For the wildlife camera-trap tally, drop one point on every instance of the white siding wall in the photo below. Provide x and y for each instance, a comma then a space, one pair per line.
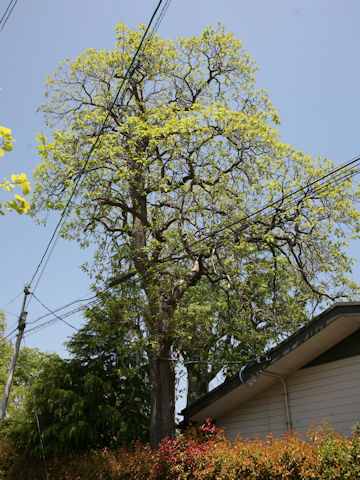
330, 391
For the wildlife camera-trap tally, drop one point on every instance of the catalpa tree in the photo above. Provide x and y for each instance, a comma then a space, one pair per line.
190, 148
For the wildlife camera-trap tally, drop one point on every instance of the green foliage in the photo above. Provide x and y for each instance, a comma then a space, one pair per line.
78, 407
30, 362
216, 325
19, 204
96, 399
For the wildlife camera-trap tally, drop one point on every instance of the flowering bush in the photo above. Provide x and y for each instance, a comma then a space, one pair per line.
207, 455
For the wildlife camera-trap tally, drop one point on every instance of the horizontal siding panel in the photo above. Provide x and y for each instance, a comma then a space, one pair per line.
233, 434
326, 379
275, 409
259, 417
337, 417
252, 422
330, 403
339, 367
330, 391
334, 403
341, 390
329, 384
350, 362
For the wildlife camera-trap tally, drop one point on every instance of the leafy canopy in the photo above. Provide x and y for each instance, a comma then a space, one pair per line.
190, 146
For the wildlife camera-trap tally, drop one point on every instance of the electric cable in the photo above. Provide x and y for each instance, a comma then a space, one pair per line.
345, 175
160, 17
52, 321
13, 300
10, 333
10, 313
4, 20
44, 267
277, 201
352, 163
53, 313
94, 145
316, 188
81, 299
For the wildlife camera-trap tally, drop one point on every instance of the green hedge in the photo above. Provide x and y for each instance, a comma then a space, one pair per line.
320, 454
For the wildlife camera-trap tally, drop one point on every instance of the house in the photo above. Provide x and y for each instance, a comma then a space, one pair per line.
312, 375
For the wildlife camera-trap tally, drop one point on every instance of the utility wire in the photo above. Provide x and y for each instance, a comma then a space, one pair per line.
52, 321
9, 334
279, 201
95, 296
94, 145
316, 188
10, 313
53, 313
344, 176
13, 300
40, 436
160, 17
44, 266
5, 18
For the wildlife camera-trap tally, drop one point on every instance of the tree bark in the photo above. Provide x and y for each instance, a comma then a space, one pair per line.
162, 396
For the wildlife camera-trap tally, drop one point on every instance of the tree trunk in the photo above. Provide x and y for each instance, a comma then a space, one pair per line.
198, 382
162, 396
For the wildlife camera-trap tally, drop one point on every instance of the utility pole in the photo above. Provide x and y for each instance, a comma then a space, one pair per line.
21, 327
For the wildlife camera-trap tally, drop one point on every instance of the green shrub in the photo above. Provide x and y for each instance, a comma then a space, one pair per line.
319, 454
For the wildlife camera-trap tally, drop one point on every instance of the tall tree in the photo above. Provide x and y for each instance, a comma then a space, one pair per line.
190, 148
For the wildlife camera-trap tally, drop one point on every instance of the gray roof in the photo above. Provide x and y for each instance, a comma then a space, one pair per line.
320, 334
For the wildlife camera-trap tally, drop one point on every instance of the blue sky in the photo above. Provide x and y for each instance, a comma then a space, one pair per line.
308, 57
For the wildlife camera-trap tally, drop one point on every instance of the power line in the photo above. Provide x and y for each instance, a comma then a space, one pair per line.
6, 15
316, 185
53, 313
56, 232
9, 313
12, 331
344, 175
52, 321
279, 201
13, 300
94, 145
45, 265
161, 16
65, 306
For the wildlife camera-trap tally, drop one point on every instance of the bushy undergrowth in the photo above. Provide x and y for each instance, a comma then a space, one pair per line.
204, 455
